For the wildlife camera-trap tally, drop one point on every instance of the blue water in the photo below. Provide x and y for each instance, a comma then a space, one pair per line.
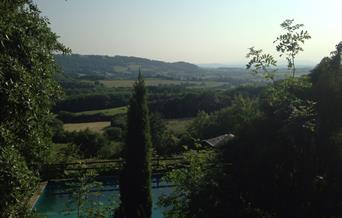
57, 200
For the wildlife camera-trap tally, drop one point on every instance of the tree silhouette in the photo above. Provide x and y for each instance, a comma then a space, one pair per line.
135, 182
289, 43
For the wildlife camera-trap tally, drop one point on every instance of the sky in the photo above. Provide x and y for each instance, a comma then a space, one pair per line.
196, 31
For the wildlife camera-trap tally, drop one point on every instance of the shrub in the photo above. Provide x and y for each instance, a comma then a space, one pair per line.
113, 133
16, 181
111, 150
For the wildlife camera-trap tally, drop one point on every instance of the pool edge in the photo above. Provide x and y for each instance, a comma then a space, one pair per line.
33, 200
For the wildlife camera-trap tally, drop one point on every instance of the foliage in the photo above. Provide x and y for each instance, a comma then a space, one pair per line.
327, 83
327, 79
289, 44
199, 125
163, 141
113, 133
16, 181
227, 120
286, 158
169, 145
135, 181
27, 68
89, 143
261, 63
83, 187
119, 121
27, 92
158, 128
111, 150
64, 153
188, 104
93, 101
203, 189
276, 159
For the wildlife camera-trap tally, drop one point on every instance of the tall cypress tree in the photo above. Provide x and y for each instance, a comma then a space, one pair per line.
135, 182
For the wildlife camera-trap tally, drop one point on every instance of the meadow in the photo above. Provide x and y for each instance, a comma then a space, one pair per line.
108, 112
177, 126
93, 126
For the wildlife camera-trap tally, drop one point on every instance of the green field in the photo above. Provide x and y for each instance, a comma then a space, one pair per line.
177, 126
109, 111
93, 126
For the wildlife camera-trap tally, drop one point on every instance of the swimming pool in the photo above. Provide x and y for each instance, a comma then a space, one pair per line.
57, 201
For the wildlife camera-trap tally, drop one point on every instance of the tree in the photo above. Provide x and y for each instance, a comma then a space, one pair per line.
85, 190
198, 189
135, 182
88, 142
327, 90
198, 126
158, 129
27, 92
289, 44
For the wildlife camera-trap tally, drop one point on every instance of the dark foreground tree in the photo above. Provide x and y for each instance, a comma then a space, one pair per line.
135, 182
27, 91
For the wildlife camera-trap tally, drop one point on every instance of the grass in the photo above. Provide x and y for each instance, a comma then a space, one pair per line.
178, 126
93, 126
109, 111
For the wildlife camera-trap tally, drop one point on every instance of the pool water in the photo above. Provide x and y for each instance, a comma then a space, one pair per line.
58, 200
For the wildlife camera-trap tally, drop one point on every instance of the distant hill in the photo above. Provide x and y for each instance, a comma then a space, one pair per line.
98, 66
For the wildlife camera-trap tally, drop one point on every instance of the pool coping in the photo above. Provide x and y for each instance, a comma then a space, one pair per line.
40, 189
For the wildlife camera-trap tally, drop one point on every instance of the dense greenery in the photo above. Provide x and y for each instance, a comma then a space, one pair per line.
27, 92
286, 157
188, 104
227, 120
86, 102
196, 181
135, 181
284, 161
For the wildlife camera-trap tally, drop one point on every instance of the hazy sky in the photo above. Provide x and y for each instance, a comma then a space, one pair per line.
198, 31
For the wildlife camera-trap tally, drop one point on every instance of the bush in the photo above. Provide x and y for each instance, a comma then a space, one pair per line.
89, 142
169, 145
111, 150
113, 133
120, 121
16, 181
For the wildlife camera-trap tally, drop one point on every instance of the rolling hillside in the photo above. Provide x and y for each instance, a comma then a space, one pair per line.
102, 67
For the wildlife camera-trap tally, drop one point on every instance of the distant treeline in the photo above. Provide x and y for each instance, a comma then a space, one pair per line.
70, 117
88, 102
168, 101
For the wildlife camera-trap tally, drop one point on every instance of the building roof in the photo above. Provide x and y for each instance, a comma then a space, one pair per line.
219, 140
